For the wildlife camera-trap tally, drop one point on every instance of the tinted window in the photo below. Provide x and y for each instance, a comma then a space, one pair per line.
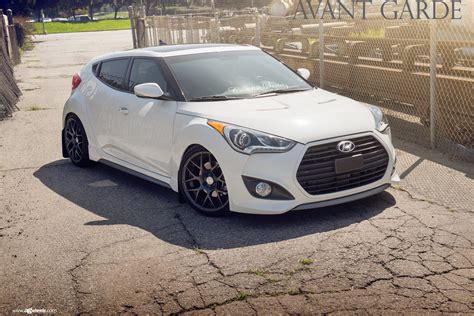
236, 73
147, 71
113, 72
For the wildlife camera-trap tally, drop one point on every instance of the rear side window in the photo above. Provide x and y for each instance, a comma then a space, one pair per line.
147, 71
113, 72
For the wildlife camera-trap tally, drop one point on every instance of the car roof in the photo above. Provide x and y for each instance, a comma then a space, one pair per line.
177, 50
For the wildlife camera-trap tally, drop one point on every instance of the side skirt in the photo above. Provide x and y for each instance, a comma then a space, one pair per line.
134, 173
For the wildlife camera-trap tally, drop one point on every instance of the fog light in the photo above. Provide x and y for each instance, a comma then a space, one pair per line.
263, 189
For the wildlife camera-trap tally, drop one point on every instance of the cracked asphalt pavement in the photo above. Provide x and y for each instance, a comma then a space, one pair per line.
97, 240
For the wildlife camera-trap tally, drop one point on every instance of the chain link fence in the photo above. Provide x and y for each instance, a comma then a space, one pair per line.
419, 71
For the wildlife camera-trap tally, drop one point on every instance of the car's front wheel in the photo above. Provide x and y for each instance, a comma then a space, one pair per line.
75, 141
202, 182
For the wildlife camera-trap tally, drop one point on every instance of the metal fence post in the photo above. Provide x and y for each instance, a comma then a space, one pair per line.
216, 25
44, 24
258, 30
190, 32
321, 53
131, 15
171, 32
433, 71
141, 27
143, 22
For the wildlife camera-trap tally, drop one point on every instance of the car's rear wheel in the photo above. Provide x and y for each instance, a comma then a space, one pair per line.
75, 141
202, 183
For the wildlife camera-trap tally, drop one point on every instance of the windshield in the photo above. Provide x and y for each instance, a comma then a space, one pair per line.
236, 74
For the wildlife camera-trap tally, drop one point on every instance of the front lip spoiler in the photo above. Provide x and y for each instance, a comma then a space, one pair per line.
341, 200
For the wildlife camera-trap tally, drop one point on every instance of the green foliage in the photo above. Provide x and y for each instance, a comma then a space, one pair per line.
23, 34
71, 27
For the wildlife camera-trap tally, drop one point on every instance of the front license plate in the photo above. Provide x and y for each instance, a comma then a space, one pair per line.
344, 165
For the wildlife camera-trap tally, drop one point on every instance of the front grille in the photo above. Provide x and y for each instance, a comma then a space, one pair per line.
317, 171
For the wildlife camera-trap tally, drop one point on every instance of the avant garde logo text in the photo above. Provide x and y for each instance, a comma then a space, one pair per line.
389, 9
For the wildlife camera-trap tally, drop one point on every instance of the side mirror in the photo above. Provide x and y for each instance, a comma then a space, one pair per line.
148, 90
303, 72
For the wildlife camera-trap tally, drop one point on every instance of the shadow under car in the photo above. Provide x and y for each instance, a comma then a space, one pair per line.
120, 198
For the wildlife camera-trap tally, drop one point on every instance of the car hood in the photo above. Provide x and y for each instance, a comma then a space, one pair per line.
301, 116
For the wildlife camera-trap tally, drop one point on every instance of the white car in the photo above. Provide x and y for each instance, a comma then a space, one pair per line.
228, 127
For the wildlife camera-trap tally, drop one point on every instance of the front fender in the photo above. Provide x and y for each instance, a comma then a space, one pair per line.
190, 131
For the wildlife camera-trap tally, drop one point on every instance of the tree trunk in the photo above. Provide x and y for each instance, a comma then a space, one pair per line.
91, 9
147, 7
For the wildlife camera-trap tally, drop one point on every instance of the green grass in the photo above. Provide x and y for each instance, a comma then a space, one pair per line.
295, 292
93, 26
260, 273
36, 108
110, 15
306, 261
199, 251
242, 296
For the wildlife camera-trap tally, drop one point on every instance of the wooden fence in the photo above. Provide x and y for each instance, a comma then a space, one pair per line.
9, 55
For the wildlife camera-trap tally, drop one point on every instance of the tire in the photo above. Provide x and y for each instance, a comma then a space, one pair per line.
75, 141
202, 183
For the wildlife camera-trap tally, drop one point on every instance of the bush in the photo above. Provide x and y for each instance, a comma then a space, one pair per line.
24, 32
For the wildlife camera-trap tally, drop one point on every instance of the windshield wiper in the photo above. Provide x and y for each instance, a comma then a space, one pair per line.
281, 91
214, 98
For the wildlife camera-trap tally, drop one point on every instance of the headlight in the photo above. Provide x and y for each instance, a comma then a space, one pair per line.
249, 142
381, 121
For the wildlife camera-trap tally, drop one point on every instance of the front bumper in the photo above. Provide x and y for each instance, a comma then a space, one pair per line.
282, 168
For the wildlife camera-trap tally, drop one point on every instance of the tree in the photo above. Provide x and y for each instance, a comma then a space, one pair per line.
118, 4
70, 6
149, 4
19, 7
92, 6
27, 7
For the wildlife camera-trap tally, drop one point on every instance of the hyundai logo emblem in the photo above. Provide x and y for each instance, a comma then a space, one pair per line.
346, 146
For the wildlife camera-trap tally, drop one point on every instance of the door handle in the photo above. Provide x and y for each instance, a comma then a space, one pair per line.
123, 110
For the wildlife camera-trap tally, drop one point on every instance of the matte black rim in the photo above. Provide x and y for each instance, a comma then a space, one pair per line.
74, 139
203, 182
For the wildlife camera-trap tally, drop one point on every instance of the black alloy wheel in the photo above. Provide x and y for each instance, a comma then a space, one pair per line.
203, 184
75, 141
